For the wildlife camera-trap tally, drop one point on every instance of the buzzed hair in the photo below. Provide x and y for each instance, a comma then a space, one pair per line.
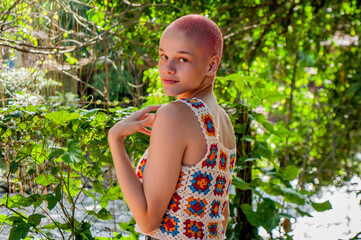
202, 29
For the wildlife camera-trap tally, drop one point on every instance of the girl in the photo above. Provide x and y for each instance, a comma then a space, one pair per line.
180, 189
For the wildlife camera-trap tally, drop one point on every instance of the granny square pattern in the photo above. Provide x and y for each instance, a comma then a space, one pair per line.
195, 210
220, 185
194, 229
140, 168
196, 206
213, 230
232, 161
209, 125
174, 202
223, 161
194, 102
229, 184
169, 225
224, 206
180, 180
201, 182
211, 158
215, 209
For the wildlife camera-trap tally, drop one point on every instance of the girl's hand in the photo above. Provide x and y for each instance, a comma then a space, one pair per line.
134, 123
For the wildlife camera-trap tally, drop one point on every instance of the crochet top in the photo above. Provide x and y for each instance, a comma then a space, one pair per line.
196, 208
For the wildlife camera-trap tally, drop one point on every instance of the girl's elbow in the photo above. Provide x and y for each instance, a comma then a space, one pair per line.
150, 223
147, 227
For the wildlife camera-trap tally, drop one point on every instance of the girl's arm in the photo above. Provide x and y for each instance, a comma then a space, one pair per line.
148, 200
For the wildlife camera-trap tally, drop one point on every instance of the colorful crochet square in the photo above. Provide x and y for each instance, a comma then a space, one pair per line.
169, 225
141, 167
174, 202
201, 182
180, 179
224, 206
209, 125
213, 230
194, 102
215, 209
193, 229
196, 207
233, 160
220, 185
211, 160
229, 184
222, 161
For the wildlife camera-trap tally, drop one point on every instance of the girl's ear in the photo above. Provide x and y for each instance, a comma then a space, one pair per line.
213, 65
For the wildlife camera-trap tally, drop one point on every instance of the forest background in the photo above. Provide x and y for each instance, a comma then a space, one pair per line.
69, 69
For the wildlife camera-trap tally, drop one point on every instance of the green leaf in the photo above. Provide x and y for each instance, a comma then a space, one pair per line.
261, 148
30, 108
320, 207
22, 126
19, 231
75, 151
240, 128
103, 214
45, 180
248, 138
49, 226
98, 187
353, 89
14, 166
62, 116
274, 96
265, 215
282, 132
35, 219
268, 126
56, 153
290, 173
293, 195
240, 184
3, 219
52, 201
16, 114
89, 113
58, 194
303, 213
259, 117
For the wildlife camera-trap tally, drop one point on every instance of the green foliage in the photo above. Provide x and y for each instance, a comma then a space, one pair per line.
63, 151
292, 66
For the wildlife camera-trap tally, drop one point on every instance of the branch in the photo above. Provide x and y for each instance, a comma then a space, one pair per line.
79, 80
7, 13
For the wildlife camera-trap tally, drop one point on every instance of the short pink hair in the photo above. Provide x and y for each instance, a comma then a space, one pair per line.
203, 30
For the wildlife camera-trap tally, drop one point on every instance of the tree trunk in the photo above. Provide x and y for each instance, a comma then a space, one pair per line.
245, 196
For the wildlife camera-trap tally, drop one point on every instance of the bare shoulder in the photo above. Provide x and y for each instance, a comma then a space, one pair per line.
226, 118
174, 113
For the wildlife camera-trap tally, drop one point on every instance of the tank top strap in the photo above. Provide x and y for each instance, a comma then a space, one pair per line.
204, 116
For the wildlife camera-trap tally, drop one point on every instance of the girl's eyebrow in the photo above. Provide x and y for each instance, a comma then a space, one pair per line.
182, 52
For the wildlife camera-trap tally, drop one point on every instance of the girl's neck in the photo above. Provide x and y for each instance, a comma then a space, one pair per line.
203, 92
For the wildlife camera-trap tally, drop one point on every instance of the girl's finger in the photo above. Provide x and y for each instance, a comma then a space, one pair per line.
144, 131
147, 121
148, 109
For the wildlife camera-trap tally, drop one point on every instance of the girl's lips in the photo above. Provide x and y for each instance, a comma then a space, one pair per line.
169, 81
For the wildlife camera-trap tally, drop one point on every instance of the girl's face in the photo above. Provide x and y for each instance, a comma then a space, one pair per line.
182, 66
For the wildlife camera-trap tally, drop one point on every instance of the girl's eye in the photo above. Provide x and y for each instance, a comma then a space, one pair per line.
183, 60
163, 57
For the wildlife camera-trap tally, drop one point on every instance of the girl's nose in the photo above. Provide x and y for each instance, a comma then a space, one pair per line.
170, 68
